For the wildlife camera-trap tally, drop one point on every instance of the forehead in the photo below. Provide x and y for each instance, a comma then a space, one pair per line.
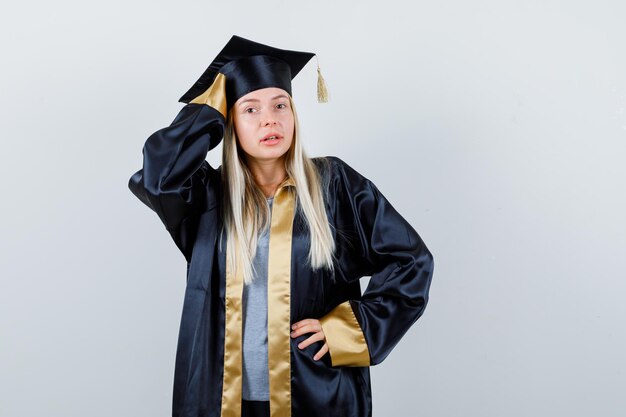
264, 94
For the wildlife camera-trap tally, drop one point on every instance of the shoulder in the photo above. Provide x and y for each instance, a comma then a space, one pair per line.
338, 169
329, 160
344, 186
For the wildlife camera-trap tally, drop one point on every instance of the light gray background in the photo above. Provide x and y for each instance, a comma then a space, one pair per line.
497, 128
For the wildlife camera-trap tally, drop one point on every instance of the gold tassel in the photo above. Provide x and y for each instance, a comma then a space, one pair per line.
322, 91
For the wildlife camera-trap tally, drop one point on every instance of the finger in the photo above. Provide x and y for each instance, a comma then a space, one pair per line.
302, 323
321, 352
312, 327
317, 337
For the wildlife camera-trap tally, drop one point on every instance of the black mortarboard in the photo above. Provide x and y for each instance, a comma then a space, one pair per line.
247, 66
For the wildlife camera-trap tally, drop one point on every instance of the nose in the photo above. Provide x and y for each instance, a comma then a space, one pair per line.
268, 121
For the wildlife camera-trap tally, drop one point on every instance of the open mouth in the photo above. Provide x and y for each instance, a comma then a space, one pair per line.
270, 138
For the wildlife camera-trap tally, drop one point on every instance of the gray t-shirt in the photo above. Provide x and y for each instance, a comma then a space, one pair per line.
255, 369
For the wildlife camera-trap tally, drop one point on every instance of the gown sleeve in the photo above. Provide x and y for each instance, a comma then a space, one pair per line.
174, 178
374, 240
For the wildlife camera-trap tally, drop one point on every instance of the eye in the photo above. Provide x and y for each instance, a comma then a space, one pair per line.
250, 110
281, 106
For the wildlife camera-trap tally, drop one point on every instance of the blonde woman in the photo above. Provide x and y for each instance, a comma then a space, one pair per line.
274, 322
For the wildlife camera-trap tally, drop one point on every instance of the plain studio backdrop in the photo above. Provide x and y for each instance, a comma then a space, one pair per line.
496, 128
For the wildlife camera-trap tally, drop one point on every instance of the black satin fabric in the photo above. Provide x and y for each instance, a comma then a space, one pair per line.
253, 73
372, 239
248, 66
255, 408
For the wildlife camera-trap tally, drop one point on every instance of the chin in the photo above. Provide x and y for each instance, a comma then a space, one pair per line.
268, 156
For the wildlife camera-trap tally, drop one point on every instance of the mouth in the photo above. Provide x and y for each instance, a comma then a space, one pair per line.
271, 137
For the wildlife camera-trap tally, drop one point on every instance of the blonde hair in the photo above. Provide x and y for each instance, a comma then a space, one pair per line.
247, 212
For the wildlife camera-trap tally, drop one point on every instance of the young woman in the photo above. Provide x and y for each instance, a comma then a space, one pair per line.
274, 322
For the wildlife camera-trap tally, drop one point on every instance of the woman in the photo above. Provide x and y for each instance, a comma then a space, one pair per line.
273, 320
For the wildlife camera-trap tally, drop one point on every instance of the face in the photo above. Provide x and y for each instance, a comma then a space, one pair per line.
264, 124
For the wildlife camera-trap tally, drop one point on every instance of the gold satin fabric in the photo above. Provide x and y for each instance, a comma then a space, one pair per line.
346, 343
233, 356
215, 95
278, 314
279, 297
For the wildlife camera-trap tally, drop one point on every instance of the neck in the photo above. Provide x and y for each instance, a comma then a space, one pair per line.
268, 175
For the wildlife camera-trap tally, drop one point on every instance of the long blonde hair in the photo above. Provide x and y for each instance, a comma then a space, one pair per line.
247, 212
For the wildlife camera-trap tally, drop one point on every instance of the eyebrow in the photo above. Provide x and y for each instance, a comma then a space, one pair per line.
257, 100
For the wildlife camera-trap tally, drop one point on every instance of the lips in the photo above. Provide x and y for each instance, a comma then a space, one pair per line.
271, 136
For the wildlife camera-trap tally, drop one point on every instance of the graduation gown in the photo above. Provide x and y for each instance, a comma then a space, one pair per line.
372, 239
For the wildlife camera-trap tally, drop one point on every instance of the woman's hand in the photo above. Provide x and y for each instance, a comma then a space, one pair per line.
310, 326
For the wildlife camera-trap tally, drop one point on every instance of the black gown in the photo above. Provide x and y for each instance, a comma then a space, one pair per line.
372, 239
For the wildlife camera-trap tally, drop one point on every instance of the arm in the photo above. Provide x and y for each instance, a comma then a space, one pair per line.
383, 245
174, 178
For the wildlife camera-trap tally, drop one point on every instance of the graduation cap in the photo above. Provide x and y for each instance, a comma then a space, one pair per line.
244, 66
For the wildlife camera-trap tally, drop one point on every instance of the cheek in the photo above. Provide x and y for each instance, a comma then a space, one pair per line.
289, 124
244, 134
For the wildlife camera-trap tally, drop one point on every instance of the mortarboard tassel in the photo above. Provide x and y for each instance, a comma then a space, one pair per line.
322, 91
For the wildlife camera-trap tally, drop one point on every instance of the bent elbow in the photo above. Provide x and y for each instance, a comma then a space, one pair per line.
136, 186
